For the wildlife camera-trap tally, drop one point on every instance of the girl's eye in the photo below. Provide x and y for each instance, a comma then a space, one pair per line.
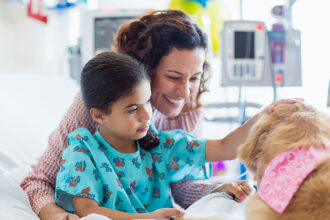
132, 111
194, 78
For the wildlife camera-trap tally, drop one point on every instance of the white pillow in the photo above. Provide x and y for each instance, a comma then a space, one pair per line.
14, 203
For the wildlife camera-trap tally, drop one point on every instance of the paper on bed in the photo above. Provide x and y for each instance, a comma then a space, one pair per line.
95, 217
215, 206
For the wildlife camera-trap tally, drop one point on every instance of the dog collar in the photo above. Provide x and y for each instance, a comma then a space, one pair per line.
285, 173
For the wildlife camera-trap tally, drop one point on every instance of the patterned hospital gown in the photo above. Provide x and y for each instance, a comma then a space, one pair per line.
134, 183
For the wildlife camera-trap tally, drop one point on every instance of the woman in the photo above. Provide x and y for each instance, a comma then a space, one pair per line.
173, 49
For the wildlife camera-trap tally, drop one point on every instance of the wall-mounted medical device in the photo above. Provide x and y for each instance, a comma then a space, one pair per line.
253, 56
99, 27
245, 54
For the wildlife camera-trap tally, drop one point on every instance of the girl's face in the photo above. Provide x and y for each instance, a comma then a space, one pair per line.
176, 80
129, 118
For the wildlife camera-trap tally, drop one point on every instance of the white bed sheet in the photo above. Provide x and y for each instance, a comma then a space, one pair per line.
14, 203
31, 107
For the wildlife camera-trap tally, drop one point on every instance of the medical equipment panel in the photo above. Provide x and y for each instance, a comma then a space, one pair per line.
245, 54
98, 29
286, 56
105, 30
253, 56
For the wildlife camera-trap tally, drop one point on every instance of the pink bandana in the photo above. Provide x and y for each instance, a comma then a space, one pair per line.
285, 173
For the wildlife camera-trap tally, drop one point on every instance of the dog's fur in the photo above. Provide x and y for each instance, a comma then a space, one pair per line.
289, 126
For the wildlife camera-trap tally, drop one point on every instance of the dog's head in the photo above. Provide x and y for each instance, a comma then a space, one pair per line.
288, 126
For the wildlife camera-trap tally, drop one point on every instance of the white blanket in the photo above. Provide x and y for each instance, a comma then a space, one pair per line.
31, 107
14, 203
215, 206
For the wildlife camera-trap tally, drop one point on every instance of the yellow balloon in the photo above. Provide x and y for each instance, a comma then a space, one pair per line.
210, 19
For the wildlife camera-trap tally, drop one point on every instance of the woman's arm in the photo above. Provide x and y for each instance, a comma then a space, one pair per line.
85, 206
40, 183
226, 148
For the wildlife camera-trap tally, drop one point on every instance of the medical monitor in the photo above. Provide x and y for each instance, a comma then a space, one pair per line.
245, 54
98, 29
254, 56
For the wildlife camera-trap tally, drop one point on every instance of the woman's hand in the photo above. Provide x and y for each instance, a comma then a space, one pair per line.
166, 213
238, 190
65, 216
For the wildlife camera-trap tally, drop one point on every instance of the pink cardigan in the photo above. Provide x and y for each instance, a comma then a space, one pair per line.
40, 183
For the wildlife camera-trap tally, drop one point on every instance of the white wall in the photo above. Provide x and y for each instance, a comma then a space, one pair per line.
29, 46
312, 18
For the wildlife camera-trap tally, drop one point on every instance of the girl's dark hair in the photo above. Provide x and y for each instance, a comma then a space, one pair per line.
151, 37
108, 77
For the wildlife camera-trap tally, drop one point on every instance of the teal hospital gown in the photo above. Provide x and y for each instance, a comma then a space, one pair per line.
134, 183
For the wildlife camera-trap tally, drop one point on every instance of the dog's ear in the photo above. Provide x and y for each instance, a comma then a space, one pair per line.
250, 151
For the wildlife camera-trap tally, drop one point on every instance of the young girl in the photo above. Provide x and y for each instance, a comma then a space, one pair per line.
110, 172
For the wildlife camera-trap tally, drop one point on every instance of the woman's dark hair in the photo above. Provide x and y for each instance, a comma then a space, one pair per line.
108, 77
151, 37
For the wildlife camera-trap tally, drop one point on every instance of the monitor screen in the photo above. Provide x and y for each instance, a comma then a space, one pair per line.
244, 45
105, 30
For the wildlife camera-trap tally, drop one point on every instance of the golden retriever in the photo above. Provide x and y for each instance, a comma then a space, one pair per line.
287, 127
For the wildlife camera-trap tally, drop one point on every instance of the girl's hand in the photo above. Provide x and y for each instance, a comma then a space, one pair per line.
65, 216
238, 190
166, 213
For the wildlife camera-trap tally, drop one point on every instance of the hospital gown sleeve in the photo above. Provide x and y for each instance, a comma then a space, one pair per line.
78, 175
184, 156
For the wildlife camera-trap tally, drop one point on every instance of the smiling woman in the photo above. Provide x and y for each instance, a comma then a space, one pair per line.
173, 49
176, 80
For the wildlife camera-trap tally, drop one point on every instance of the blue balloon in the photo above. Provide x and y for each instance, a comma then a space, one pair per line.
202, 2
